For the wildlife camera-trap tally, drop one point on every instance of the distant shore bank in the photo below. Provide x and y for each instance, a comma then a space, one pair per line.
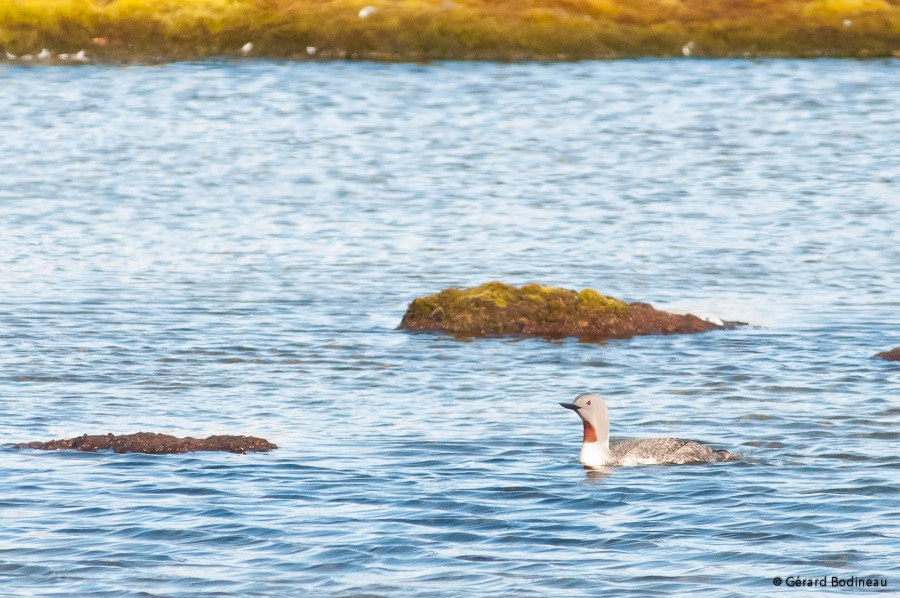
127, 31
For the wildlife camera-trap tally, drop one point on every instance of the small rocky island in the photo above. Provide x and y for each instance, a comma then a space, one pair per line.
892, 355
498, 309
154, 444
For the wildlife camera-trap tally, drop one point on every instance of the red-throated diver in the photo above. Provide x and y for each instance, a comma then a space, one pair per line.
596, 450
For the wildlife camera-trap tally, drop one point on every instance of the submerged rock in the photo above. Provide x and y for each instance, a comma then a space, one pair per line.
154, 444
497, 309
892, 355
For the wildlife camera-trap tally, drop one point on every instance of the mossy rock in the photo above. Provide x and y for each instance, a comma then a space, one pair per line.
498, 309
892, 355
153, 443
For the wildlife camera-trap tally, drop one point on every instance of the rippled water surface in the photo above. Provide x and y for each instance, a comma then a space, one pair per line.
220, 248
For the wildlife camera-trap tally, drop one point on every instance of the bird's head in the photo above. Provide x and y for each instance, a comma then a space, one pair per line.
592, 410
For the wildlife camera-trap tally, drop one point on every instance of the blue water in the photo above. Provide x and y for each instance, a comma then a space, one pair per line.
228, 248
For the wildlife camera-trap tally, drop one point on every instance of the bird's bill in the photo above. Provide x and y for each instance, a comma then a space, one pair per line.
571, 406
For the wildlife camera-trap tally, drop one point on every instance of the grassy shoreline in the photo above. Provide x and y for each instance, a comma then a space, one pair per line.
419, 30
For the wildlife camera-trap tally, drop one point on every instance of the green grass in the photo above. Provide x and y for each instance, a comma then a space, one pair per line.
160, 30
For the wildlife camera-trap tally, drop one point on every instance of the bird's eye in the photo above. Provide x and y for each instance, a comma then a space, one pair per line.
588, 402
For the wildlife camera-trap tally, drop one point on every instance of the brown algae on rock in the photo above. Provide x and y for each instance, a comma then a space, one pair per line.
153, 443
498, 309
892, 355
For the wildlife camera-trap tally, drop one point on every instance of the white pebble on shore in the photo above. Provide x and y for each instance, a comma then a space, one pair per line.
687, 49
311, 50
247, 48
367, 11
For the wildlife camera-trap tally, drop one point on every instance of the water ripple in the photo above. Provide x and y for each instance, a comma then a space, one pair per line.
224, 248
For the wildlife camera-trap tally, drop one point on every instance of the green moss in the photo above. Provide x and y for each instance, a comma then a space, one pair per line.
592, 300
498, 308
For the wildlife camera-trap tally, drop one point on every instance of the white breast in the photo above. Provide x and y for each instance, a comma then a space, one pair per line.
593, 454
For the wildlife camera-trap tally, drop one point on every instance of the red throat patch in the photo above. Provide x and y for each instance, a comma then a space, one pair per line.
590, 434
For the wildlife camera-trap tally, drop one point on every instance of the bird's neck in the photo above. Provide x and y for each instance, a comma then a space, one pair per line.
595, 446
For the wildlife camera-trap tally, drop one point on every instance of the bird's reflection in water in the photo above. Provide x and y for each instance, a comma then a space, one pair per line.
596, 475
